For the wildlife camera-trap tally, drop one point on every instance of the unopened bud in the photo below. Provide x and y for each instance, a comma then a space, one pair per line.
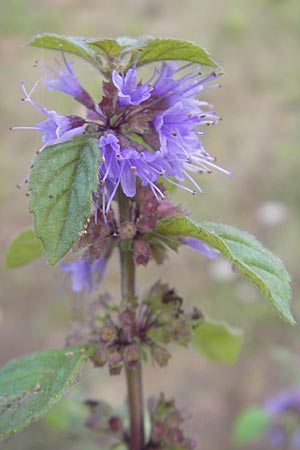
115, 424
115, 363
141, 252
100, 357
127, 318
166, 208
175, 436
158, 430
146, 223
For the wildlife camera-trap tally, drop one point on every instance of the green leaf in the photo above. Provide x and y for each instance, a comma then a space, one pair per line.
244, 252
71, 44
30, 385
217, 341
174, 49
107, 47
249, 424
61, 184
23, 248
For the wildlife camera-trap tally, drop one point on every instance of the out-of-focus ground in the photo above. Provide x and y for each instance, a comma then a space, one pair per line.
257, 43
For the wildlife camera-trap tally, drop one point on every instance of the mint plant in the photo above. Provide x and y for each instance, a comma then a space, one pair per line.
100, 183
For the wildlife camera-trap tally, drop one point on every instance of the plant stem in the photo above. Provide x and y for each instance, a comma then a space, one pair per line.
134, 376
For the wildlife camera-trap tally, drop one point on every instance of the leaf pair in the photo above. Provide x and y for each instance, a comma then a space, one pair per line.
104, 52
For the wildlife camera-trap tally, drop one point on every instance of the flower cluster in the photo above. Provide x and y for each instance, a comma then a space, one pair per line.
146, 131
122, 335
284, 411
102, 233
167, 426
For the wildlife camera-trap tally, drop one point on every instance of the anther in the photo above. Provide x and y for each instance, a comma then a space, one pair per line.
174, 133
133, 168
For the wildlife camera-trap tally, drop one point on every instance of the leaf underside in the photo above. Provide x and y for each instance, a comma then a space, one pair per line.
61, 183
217, 341
70, 44
31, 384
24, 248
244, 252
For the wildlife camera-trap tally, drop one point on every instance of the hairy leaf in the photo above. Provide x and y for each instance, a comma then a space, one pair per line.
61, 184
244, 252
217, 341
174, 49
23, 248
30, 385
71, 44
249, 424
107, 47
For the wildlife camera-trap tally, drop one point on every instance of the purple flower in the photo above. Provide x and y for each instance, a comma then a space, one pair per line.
65, 80
284, 401
85, 275
130, 92
201, 246
277, 436
147, 131
296, 440
120, 166
284, 410
56, 127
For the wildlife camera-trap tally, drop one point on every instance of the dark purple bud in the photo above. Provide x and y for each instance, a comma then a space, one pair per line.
166, 208
127, 318
147, 202
141, 252
115, 424
115, 363
146, 223
100, 357
158, 430
175, 436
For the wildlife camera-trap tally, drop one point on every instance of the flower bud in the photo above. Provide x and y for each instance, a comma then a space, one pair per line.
115, 424
100, 357
141, 252
115, 363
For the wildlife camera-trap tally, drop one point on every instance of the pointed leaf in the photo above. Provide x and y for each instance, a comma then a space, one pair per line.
30, 385
249, 424
23, 248
174, 49
244, 251
108, 47
217, 341
61, 185
71, 44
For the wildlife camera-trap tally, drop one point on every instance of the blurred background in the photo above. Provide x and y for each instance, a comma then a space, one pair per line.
257, 43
